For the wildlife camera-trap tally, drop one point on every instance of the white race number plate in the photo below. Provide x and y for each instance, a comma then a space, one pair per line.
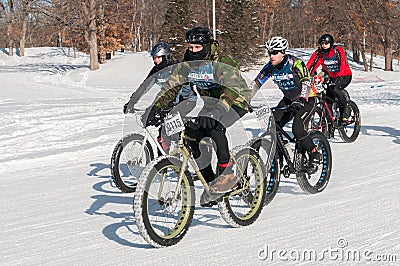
173, 124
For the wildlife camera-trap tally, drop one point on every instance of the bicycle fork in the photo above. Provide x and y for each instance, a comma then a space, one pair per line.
290, 167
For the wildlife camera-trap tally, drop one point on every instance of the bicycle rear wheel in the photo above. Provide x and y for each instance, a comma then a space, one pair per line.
350, 129
128, 161
244, 208
163, 208
315, 182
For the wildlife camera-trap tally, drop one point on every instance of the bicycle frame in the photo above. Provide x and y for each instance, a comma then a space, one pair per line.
281, 147
280, 132
148, 135
324, 98
188, 159
326, 110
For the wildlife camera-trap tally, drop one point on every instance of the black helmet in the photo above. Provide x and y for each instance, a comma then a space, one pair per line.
161, 49
326, 38
199, 35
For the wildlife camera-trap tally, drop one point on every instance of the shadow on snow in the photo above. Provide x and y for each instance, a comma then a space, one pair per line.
109, 194
385, 132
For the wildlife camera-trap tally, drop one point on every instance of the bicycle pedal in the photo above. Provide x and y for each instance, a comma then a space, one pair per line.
210, 199
209, 204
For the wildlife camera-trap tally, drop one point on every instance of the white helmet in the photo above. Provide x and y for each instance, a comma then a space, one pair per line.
277, 43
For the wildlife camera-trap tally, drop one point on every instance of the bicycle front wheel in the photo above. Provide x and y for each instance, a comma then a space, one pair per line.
243, 209
316, 181
163, 207
128, 160
350, 129
272, 178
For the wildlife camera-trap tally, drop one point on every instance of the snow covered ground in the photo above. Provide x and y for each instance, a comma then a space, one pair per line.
59, 125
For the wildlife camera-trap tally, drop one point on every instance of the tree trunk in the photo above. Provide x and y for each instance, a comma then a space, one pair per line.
271, 25
388, 58
356, 53
22, 41
10, 40
371, 60
208, 15
264, 29
59, 39
89, 10
94, 63
364, 60
73, 49
387, 50
102, 34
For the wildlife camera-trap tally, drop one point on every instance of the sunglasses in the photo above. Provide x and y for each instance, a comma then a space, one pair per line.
274, 52
324, 43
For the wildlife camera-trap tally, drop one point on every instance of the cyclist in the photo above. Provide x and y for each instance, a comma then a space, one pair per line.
332, 59
162, 58
214, 81
290, 74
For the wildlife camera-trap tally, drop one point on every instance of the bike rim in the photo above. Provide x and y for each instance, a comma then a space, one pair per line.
318, 179
167, 217
132, 162
246, 205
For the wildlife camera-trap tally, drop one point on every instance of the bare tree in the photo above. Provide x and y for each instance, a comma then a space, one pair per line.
25, 10
103, 26
9, 14
89, 12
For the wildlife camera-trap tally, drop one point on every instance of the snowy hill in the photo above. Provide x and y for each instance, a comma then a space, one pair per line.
58, 206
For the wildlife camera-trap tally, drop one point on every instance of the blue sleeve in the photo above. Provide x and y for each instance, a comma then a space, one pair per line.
264, 75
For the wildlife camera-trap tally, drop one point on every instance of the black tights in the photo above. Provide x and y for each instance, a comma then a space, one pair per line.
203, 154
337, 90
300, 120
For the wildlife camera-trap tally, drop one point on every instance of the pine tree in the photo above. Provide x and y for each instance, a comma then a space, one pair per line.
177, 23
238, 28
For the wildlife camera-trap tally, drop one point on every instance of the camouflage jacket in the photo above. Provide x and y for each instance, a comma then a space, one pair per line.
213, 77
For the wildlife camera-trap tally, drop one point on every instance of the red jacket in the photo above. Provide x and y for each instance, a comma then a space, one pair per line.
334, 62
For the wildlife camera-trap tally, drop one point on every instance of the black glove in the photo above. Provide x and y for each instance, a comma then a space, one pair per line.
128, 107
209, 119
125, 108
298, 104
152, 116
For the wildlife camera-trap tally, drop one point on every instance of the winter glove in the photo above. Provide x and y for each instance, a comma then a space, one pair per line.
298, 104
209, 119
152, 116
127, 108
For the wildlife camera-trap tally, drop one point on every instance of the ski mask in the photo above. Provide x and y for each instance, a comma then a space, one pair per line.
200, 55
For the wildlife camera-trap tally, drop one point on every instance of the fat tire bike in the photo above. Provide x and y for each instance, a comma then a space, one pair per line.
131, 154
164, 201
291, 158
328, 120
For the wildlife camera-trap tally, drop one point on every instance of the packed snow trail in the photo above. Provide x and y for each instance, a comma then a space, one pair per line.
58, 205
